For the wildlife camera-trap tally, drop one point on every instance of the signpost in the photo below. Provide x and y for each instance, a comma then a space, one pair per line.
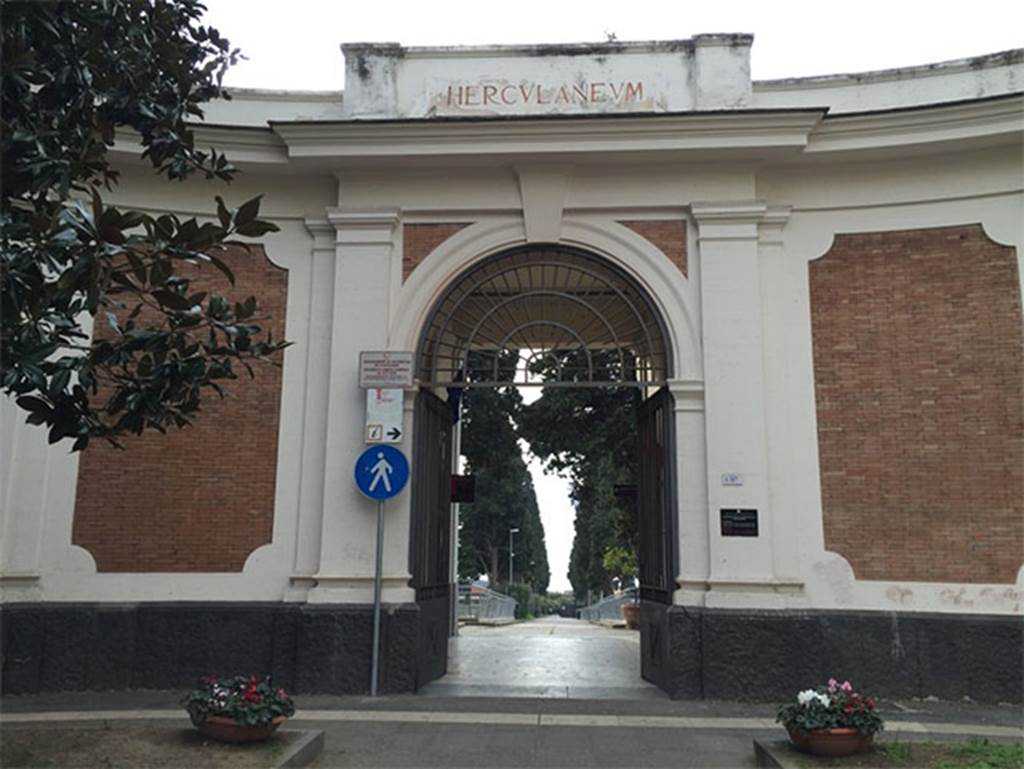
381, 472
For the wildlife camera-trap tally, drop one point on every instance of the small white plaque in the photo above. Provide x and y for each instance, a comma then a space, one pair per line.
384, 415
385, 369
732, 479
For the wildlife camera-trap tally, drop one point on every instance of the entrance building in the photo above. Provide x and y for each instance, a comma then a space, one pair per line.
814, 283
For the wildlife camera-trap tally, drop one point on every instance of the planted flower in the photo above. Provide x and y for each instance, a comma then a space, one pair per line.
831, 720
239, 709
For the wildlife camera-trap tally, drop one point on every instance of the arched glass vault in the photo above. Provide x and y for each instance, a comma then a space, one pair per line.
548, 314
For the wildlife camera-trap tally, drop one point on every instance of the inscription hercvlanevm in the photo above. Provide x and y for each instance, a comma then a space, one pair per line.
502, 94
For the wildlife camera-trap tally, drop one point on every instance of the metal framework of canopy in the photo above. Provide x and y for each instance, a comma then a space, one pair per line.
551, 307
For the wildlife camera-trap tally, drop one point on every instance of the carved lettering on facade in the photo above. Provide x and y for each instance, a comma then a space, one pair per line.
502, 96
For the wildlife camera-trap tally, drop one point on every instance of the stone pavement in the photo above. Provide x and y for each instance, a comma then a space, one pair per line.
548, 657
421, 731
559, 693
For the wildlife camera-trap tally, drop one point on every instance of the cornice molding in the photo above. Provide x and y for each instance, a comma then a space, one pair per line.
353, 227
773, 223
989, 119
688, 394
241, 144
728, 220
358, 140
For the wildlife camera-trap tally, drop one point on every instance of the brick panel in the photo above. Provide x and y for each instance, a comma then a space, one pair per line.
919, 381
669, 235
418, 240
200, 499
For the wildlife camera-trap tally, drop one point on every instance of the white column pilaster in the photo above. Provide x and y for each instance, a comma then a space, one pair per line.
365, 256
309, 522
692, 481
734, 393
782, 339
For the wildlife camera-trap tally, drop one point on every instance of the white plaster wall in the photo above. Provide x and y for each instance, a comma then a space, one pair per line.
256, 107
340, 240
976, 78
681, 83
387, 81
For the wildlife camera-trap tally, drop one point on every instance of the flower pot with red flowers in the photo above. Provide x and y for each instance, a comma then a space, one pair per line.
239, 709
831, 720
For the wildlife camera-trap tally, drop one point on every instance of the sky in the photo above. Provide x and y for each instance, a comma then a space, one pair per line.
294, 45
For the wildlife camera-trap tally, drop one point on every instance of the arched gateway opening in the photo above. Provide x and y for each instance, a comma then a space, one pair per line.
584, 322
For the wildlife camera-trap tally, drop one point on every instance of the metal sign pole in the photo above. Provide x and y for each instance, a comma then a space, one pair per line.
380, 472
377, 579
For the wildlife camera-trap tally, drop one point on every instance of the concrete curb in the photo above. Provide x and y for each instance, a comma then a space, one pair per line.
307, 747
773, 754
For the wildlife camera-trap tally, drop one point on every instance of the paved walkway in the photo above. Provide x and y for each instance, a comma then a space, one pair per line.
549, 657
573, 718
418, 731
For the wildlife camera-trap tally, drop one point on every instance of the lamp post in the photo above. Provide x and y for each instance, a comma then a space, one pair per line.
511, 553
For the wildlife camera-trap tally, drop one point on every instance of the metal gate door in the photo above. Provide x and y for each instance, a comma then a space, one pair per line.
430, 541
656, 511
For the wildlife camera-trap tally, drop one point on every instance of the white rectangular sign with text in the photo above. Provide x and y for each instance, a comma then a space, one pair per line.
384, 415
385, 369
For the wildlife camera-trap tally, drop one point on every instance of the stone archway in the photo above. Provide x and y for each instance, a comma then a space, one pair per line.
564, 304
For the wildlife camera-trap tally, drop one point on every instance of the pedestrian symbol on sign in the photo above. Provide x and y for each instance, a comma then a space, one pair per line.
381, 472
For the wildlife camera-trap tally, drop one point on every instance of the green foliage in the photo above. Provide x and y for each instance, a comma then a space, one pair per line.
980, 753
589, 434
505, 497
830, 707
74, 73
250, 700
896, 751
523, 596
621, 562
530, 604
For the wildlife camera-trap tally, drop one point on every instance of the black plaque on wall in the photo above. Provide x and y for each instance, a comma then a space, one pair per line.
739, 523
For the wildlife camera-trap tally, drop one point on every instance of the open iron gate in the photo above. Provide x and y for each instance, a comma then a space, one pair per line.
656, 513
430, 543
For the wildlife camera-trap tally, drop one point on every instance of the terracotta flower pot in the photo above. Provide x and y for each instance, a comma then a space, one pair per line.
830, 742
227, 729
631, 613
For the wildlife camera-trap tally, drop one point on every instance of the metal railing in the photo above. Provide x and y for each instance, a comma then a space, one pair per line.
609, 608
481, 604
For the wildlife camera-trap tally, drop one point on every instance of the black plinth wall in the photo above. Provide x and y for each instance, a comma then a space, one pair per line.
697, 654
770, 655
306, 648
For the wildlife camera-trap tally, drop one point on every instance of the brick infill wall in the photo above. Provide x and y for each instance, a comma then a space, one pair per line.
669, 235
200, 499
919, 380
418, 240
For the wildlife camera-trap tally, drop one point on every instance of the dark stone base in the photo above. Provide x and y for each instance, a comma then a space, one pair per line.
306, 648
770, 655
691, 653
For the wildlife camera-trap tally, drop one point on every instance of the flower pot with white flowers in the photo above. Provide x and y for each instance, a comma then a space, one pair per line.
831, 720
238, 709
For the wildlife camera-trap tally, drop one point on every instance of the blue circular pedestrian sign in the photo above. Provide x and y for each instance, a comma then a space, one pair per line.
381, 472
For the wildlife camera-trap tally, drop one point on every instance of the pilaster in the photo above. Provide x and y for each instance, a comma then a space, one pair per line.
737, 462
365, 255
691, 474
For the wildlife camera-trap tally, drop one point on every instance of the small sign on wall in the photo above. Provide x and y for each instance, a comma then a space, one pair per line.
732, 479
383, 368
738, 523
384, 415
